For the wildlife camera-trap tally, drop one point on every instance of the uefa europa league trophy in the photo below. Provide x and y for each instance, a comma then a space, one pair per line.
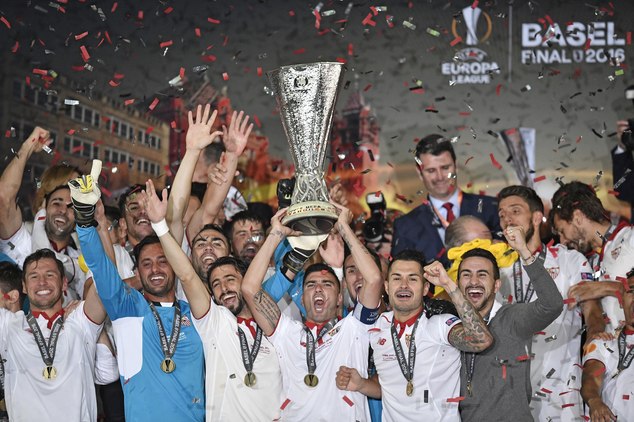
306, 96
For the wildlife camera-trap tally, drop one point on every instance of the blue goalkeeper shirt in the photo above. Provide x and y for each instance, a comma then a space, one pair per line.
149, 393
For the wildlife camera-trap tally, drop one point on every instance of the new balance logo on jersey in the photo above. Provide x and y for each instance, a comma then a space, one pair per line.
381, 341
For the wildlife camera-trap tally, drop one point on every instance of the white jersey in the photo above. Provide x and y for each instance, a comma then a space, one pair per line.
555, 368
227, 396
436, 371
346, 344
617, 261
617, 391
68, 397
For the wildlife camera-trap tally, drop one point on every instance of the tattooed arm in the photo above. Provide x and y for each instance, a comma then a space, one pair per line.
372, 289
472, 335
263, 308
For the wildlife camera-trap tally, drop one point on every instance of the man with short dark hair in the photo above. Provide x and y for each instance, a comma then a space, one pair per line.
555, 368
423, 228
497, 381
582, 223
312, 352
159, 352
246, 231
49, 357
208, 245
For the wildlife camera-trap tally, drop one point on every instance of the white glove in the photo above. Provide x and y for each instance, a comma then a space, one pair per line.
85, 193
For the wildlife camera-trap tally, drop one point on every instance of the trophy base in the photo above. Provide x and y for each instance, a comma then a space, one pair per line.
311, 217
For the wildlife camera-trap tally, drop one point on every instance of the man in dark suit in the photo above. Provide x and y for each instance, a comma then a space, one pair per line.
423, 228
623, 164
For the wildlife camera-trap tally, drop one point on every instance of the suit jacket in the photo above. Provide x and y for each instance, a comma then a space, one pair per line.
416, 231
620, 164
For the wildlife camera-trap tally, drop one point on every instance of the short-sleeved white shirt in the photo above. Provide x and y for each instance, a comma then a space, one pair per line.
555, 367
68, 397
616, 392
346, 344
436, 371
617, 261
227, 397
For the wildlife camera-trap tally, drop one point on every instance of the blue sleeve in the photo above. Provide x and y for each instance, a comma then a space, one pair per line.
278, 284
118, 298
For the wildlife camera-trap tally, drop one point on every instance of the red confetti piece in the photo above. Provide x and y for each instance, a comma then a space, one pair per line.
154, 104
539, 179
464, 113
259, 71
569, 301
468, 159
567, 405
128, 102
368, 20
107, 37
626, 396
256, 119
197, 32
348, 401
474, 4
225, 76
181, 73
341, 60
418, 90
286, 403
495, 162
209, 58
168, 10
173, 124
546, 390
212, 20
105, 191
455, 41
350, 49
291, 13
299, 51
40, 72
114, 7
503, 372
84, 53
5, 22
540, 333
7, 134
77, 149
455, 399
367, 87
27, 79
166, 43
113, 83
15, 47
71, 131
628, 38
80, 36
523, 358
498, 88
225, 41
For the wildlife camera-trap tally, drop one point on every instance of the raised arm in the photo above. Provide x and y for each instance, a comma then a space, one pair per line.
196, 292
591, 382
472, 335
370, 293
11, 180
537, 315
235, 140
263, 308
199, 135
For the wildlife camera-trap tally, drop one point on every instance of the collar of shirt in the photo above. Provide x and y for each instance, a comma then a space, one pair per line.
494, 310
249, 323
401, 326
438, 204
50, 320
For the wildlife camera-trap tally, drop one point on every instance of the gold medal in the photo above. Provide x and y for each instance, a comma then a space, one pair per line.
469, 388
168, 365
250, 379
409, 390
311, 380
49, 373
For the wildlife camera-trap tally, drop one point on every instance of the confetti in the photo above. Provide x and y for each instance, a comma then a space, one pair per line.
526, 88
455, 399
5, 22
495, 162
80, 36
455, 41
70, 102
348, 401
84, 53
409, 25
154, 104
225, 76
212, 20
166, 43
539, 179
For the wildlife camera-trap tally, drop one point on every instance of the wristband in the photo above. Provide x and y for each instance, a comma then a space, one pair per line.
160, 228
530, 260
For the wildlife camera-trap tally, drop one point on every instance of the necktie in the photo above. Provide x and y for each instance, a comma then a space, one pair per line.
450, 215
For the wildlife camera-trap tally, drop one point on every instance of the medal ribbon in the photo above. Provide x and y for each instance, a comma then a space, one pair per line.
248, 357
168, 345
407, 368
310, 344
517, 279
625, 360
47, 351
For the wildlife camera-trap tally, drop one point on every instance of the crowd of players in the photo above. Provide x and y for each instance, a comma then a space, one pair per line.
170, 307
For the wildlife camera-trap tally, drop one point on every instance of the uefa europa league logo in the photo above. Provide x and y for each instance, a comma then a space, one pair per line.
306, 96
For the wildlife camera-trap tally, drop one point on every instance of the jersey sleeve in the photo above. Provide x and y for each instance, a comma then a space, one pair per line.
603, 352
282, 330
119, 299
18, 246
444, 323
209, 321
90, 329
6, 317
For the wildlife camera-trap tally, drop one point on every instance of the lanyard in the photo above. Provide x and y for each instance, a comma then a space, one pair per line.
609, 235
47, 351
624, 359
168, 345
470, 366
517, 279
248, 356
310, 344
407, 367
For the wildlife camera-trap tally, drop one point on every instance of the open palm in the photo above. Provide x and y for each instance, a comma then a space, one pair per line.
235, 138
199, 133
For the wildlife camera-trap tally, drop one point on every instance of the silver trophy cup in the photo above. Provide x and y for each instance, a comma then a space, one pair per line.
306, 96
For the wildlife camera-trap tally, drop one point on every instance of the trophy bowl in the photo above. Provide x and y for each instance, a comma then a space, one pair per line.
306, 95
